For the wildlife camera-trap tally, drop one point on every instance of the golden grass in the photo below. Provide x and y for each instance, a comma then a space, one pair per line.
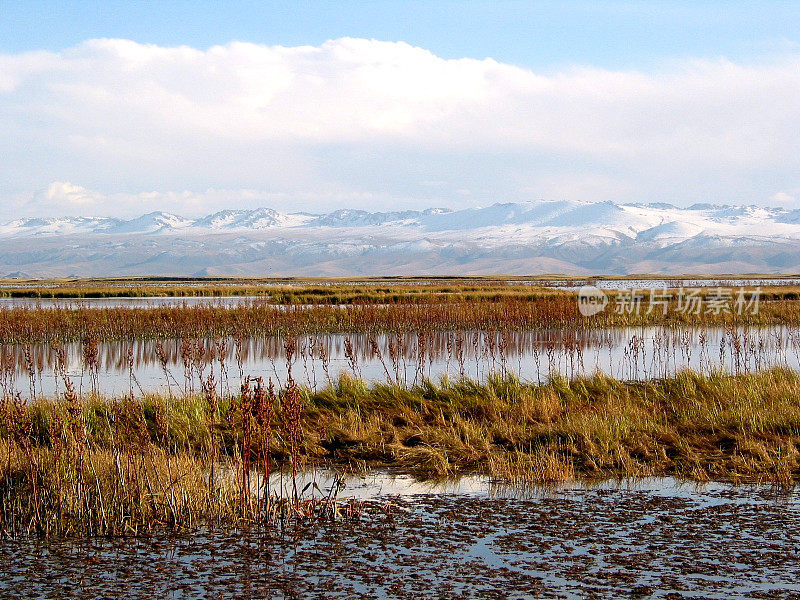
343, 290
690, 425
96, 465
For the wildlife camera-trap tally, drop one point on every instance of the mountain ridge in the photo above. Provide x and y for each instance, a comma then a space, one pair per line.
556, 213
577, 237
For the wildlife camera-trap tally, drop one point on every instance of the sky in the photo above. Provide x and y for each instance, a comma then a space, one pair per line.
120, 108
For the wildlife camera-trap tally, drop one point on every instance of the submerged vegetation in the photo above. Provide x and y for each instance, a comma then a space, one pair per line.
100, 465
553, 311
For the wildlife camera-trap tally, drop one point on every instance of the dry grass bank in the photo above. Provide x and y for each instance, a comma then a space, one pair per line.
99, 465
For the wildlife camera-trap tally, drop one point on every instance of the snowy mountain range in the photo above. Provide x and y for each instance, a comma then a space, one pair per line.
519, 238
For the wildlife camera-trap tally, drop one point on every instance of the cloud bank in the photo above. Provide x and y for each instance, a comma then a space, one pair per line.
357, 122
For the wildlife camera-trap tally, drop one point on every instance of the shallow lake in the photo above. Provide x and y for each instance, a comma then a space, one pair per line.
176, 366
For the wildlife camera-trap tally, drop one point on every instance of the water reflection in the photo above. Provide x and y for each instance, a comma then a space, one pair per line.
381, 484
178, 365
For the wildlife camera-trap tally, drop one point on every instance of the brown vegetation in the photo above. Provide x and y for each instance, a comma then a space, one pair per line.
31, 325
95, 465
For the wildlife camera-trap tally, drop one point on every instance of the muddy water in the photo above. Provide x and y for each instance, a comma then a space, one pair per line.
532, 356
657, 538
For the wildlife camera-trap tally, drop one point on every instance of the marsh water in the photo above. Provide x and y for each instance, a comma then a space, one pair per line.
248, 300
174, 366
653, 538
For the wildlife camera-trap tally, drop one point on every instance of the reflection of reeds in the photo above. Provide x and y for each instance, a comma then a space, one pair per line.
559, 311
350, 355
91, 361
636, 353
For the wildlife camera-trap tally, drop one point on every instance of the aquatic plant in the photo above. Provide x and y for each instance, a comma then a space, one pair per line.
105, 466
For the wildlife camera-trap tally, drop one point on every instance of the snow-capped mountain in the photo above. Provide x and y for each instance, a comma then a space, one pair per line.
150, 223
259, 218
56, 226
530, 237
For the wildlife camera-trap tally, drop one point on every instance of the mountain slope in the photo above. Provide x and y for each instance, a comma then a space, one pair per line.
531, 237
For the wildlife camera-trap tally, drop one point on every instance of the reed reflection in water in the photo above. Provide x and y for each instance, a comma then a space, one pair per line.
175, 366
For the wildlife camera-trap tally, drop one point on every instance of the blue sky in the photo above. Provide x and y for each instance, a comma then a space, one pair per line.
538, 35
123, 107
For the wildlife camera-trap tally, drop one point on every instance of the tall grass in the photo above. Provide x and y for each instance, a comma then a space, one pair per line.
92, 465
65, 324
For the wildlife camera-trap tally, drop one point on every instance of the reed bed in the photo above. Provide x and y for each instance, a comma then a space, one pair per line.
115, 466
184, 365
207, 452
92, 466
64, 324
293, 292
107, 287
702, 427
320, 289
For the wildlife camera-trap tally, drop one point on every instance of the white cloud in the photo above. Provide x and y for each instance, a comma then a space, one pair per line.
66, 199
63, 192
784, 199
358, 118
